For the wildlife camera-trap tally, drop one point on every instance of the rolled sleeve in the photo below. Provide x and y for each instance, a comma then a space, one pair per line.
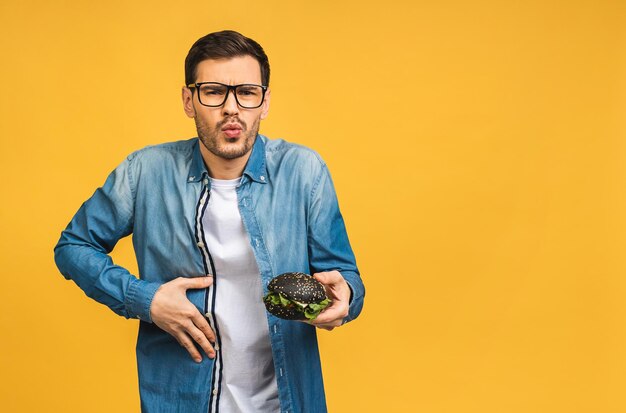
357, 293
139, 298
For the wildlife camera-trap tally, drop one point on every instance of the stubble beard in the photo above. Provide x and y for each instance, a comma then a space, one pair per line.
225, 147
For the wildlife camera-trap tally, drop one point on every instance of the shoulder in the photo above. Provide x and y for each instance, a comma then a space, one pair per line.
182, 149
280, 153
170, 158
161, 161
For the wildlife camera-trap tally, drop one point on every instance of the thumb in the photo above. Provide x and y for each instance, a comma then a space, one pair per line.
323, 277
196, 282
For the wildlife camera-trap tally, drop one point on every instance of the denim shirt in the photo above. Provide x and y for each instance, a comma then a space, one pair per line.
289, 208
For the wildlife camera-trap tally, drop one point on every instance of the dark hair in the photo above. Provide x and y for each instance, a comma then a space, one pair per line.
225, 45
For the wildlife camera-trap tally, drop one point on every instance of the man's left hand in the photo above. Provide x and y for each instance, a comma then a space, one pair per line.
338, 292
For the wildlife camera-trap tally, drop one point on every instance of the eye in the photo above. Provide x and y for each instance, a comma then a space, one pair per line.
248, 91
212, 90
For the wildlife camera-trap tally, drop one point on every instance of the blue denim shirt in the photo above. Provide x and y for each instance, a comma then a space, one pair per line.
289, 208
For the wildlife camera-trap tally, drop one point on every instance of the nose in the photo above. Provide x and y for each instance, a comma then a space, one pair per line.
230, 106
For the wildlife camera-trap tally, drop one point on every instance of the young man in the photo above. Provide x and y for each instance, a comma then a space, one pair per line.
213, 219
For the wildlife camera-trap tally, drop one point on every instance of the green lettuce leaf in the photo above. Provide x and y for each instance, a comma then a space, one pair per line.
284, 301
310, 311
272, 298
313, 310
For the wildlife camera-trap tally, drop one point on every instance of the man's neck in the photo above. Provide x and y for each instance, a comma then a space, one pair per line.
220, 168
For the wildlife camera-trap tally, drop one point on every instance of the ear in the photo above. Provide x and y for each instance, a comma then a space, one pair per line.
265, 108
188, 102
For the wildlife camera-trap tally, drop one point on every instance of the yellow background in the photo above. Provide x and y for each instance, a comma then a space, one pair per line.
478, 149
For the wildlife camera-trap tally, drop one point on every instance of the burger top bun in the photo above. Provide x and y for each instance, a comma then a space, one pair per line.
299, 287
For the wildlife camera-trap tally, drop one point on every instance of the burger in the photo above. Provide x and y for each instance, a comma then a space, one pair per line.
295, 296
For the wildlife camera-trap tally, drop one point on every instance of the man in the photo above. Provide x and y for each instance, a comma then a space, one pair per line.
213, 219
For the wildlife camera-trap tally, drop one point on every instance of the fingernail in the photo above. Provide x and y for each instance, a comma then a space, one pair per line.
198, 360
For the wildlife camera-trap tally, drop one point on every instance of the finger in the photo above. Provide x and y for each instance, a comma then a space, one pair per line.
201, 323
333, 283
328, 278
327, 326
336, 311
195, 282
333, 324
322, 277
185, 341
198, 336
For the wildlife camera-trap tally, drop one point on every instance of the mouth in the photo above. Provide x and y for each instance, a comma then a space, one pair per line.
232, 130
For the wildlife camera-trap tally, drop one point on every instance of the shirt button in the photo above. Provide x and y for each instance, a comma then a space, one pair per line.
217, 347
200, 244
206, 181
215, 391
262, 178
191, 178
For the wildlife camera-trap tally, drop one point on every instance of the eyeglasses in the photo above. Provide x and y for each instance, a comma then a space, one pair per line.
214, 94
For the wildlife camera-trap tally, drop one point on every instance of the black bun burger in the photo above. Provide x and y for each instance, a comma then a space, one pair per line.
295, 296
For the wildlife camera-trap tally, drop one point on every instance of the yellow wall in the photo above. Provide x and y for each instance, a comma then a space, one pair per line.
478, 148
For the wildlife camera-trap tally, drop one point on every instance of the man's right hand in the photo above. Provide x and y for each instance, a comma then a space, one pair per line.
174, 313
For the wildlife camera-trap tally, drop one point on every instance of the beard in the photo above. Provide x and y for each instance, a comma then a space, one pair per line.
225, 147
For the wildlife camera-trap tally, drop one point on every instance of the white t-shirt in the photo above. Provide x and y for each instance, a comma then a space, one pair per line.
245, 380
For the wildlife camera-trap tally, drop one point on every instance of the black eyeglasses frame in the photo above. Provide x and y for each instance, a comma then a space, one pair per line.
228, 89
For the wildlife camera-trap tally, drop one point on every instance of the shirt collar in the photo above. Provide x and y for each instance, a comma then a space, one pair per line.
255, 167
